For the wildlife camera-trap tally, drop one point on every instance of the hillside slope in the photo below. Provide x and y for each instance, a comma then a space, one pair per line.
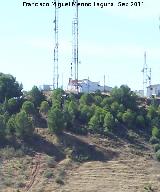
132, 169
99, 164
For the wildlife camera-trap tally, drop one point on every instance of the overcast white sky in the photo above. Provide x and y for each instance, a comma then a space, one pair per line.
112, 42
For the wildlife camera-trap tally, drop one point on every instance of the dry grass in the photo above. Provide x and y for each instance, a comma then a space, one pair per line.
121, 166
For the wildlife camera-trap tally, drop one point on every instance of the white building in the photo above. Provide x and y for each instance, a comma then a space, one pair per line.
86, 86
46, 87
153, 90
140, 93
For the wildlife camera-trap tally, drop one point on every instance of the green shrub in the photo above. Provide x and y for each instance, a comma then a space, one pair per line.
155, 132
48, 174
59, 181
55, 120
28, 107
11, 126
36, 96
154, 140
8, 182
80, 158
128, 118
44, 107
24, 125
51, 162
109, 121
20, 184
148, 188
96, 122
156, 147
10, 152
12, 106
158, 155
140, 122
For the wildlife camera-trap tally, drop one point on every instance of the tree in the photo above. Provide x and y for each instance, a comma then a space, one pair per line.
94, 124
44, 107
55, 120
119, 116
109, 122
128, 118
115, 108
140, 121
28, 107
125, 96
97, 120
155, 121
151, 112
107, 101
86, 113
73, 108
57, 97
11, 126
36, 96
98, 100
24, 125
13, 106
57, 94
2, 125
86, 99
9, 87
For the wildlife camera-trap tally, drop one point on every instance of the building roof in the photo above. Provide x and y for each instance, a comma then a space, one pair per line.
156, 85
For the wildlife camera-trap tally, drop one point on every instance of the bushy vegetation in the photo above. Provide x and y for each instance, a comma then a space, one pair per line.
17, 110
102, 114
156, 147
55, 120
28, 107
24, 126
79, 113
44, 107
158, 155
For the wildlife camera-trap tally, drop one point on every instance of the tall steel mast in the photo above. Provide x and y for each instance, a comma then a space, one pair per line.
55, 68
146, 76
75, 42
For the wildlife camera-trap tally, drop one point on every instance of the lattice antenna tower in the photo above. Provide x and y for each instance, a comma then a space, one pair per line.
75, 42
146, 75
55, 68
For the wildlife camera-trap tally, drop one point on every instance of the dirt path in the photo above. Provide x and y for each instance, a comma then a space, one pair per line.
35, 171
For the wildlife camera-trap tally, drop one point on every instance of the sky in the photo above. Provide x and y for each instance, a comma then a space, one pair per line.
112, 42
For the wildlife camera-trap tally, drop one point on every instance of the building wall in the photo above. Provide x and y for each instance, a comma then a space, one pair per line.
153, 90
139, 93
87, 86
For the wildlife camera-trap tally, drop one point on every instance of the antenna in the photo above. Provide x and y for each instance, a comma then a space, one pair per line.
146, 76
71, 71
88, 84
104, 83
75, 42
55, 68
62, 80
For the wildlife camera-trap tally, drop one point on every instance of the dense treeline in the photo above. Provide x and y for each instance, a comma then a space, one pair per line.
84, 113
102, 114
18, 109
